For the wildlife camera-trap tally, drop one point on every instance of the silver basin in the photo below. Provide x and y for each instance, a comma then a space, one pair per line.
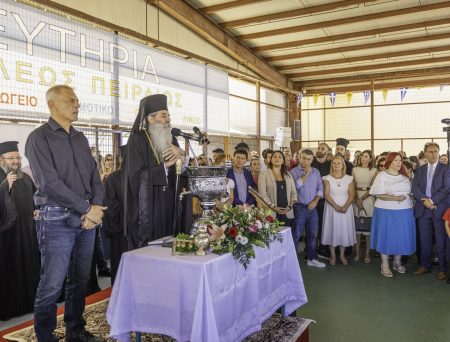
207, 182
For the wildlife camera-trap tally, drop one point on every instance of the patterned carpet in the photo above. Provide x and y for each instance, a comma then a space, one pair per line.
274, 329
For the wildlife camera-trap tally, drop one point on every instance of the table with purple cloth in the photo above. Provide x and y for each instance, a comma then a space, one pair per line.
208, 298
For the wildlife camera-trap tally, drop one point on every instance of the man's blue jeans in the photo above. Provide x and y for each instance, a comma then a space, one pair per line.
303, 217
65, 251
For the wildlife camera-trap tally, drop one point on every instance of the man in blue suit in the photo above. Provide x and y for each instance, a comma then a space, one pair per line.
431, 187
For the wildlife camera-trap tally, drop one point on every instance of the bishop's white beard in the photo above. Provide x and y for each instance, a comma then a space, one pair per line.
161, 137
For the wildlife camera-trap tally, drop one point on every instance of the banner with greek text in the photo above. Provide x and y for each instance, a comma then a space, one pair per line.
110, 74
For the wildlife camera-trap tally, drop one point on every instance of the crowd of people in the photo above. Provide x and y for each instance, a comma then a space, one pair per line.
50, 219
391, 204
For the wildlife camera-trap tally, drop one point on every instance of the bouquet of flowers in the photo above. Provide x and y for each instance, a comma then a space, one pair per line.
237, 230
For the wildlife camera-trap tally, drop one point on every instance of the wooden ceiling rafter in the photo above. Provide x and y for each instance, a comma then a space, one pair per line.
227, 5
345, 21
344, 36
380, 86
293, 13
367, 46
210, 31
404, 74
370, 67
428, 51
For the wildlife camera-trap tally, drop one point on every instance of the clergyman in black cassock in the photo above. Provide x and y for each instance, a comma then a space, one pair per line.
19, 253
150, 167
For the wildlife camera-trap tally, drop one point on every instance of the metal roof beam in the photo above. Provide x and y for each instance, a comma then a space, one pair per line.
337, 37
365, 58
227, 5
369, 67
379, 86
293, 13
396, 42
424, 72
345, 21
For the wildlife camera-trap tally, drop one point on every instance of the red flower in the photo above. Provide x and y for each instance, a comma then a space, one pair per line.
233, 232
270, 218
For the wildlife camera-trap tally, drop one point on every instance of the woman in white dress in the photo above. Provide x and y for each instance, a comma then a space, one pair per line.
338, 220
393, 224
363, 176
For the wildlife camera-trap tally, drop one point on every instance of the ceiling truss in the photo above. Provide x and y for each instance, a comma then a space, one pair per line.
341, 43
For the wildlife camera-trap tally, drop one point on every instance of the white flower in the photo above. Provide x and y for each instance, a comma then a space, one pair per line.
266, 225
243, 240
258, 224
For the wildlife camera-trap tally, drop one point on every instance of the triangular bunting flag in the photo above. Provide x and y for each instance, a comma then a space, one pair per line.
384, 92
366, 96
299, 99
349, 97
315, 98
441, 87
402, 93
332, 98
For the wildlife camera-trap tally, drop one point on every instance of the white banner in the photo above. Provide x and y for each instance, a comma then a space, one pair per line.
110, 74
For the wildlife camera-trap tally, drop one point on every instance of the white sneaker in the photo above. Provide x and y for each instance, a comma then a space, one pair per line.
315, 263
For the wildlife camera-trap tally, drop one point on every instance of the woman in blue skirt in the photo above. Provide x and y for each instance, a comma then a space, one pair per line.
393, 227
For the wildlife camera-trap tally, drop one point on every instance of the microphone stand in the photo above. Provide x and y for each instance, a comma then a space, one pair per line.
178, 166
192, 150
447, 129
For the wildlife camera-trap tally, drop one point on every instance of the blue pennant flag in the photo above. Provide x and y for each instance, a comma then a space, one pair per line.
366, 96
332, 98
299, 99
403, 93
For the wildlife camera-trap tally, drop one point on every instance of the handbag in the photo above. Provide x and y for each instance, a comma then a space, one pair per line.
363, 224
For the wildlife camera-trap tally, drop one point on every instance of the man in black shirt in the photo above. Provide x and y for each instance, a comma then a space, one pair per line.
69, 197
320, 162
323, 165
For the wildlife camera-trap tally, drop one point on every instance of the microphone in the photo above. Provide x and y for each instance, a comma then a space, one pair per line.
178, 133
198, 132
202, 138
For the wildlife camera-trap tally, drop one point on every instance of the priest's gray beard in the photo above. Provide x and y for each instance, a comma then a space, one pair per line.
17, 172
161, 137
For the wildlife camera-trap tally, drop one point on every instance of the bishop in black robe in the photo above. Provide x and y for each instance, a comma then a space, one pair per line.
19, 253
150, 196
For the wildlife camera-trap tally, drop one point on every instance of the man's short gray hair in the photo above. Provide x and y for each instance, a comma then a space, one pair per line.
432, 143
56, 90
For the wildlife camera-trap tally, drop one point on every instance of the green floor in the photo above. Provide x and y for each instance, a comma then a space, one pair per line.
356, 303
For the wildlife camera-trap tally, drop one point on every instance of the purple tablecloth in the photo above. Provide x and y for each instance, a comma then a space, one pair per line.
210, 298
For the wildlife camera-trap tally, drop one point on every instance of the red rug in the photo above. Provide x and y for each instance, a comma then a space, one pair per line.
96, 297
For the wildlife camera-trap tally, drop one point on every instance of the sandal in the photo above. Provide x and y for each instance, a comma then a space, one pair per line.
356, 258
399, 268
333, 261
367, 260
386, 271
344, 261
